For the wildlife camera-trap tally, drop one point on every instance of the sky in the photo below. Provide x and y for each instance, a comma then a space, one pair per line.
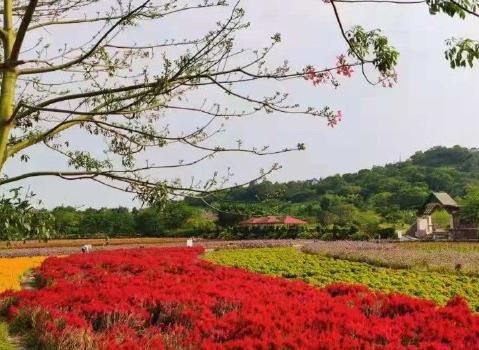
431, 104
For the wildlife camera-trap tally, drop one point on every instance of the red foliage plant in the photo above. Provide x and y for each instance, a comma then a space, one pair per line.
171, 299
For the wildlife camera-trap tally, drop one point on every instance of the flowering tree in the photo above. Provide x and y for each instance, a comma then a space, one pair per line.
117, 88
114, 88
460, 52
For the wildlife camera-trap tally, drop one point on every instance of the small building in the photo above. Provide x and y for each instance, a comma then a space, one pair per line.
437, 200
424, 228
273, 220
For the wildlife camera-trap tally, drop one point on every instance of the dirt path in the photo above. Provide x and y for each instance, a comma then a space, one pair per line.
207, 244
27, 282
17, 342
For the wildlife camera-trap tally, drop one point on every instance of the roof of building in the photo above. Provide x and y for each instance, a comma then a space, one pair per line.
429, 208
273, 220
445, 199
437, 200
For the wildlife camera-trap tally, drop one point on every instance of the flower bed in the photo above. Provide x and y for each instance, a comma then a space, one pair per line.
11, 270
171, 299
427, 256
321, 271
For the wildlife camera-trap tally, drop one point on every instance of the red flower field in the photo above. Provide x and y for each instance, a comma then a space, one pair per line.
171, 299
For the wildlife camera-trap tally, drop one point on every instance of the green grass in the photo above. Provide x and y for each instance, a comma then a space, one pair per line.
4, 343
321, 271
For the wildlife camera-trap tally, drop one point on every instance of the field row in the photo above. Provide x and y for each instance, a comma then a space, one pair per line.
58, 243
426, 256
67, 247
321, 271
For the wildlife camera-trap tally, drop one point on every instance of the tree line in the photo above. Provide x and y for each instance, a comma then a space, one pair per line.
370, 203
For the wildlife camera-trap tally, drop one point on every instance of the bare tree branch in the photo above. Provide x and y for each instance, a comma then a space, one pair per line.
399, 2
91, 51
22, 30
123, 94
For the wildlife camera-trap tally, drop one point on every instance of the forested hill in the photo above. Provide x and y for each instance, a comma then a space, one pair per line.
394, 192
362, 203
403, 184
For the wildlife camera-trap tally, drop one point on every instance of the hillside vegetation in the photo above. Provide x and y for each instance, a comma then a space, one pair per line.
366, 202
370, 203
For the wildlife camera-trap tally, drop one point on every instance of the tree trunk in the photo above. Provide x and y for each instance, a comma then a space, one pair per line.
9, 80
7, 100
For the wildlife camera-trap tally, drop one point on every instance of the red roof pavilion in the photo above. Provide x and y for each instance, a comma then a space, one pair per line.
273, 220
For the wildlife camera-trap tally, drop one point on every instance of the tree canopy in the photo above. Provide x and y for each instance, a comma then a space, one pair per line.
114, 88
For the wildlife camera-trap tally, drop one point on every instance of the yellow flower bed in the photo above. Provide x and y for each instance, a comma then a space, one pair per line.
11, 269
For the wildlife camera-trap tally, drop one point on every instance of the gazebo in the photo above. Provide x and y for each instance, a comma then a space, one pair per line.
439, 200
273, 220
424, 227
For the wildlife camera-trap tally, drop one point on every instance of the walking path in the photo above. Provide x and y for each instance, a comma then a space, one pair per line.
207, 244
